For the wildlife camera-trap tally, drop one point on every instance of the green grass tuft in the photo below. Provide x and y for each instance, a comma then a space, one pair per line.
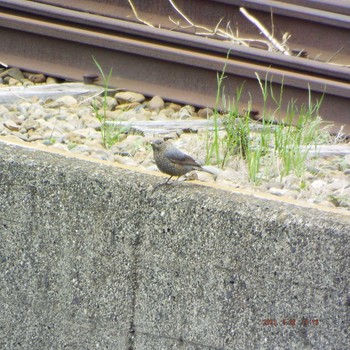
110, 132
282, 148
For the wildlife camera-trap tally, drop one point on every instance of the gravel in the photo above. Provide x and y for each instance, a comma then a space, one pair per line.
69, 123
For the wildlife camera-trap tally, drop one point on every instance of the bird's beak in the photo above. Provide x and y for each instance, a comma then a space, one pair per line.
152, 144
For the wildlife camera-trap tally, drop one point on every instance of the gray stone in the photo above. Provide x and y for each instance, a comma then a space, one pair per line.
30, 124
125, 160
186, 112
113, 115
201, 176
176, 107
205, 113
128, 96
63, 126
35, 137
87, 133
68, 101
26, 83
36, 110
3, 110
11, 125
347, 159
156, 103
12, 72
60, 147
165, 113
318, 185
51, 80
13, 81
107, 102
283, 192
127, 106
37, 78
338, 184
277, 191
275, 184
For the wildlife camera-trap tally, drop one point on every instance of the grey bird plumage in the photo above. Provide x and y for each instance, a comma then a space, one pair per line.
172, 161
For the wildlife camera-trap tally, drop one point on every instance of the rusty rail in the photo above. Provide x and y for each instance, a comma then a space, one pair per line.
60, 38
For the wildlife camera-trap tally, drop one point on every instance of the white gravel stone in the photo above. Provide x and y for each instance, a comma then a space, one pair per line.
84, 112
51, 80
63, 126
318, 186
129, 96
283, 192
166, 113
68, 101
10, 115
14, 82
30, 124
205, 113
338, 184
346, 159
3, 110
204, 176
11, 125
156, 104
125, 160
60, 146
186, 112
101, 102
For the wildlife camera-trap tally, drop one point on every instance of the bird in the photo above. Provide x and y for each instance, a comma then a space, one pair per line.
172, 161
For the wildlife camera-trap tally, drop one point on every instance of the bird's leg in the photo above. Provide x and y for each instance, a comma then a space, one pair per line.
168, 180
162, 183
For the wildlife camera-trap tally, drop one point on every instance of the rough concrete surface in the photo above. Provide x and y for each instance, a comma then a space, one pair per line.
93, 257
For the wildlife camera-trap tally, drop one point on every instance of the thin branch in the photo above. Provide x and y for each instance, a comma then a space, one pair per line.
335, 54
272, 24
207, 31
180, 13
226, 34
20, 97
137, 16
264, 31
218, 25
91, 97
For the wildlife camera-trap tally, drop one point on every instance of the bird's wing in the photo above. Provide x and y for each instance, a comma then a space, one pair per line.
178, 157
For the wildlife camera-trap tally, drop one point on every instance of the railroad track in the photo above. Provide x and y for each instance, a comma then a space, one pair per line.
172, 60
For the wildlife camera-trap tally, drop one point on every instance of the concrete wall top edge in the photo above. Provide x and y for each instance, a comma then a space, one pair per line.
143, 181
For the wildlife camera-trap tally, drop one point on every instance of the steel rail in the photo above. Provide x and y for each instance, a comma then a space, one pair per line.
192, 41
318, 30
339, 6
177, 66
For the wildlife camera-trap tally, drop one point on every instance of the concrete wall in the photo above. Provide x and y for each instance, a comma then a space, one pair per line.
92, 257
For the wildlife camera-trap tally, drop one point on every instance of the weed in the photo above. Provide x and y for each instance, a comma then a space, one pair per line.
110, 132
212, 141
282, 147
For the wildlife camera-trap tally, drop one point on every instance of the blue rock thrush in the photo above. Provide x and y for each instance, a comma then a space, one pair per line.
172, 161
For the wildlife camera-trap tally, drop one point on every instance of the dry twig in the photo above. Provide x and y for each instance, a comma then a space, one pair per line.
207, 31
335, 54
225, 34
264, 31
137, 16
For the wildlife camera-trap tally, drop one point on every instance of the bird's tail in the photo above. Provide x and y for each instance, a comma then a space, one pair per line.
210, 169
